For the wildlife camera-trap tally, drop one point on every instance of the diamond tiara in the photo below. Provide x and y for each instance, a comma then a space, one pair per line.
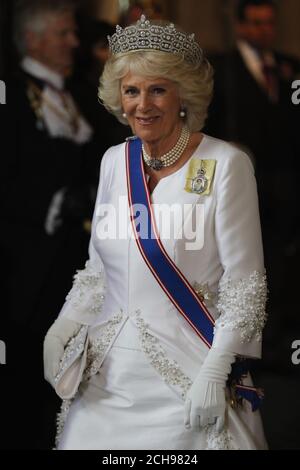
146, 36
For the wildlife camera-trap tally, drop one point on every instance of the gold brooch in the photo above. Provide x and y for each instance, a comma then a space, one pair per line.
200, 176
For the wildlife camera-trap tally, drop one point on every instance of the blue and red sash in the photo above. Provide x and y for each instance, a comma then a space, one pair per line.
167, 274
171, 280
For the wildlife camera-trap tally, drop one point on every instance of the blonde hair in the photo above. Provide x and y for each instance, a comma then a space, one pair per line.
195, 83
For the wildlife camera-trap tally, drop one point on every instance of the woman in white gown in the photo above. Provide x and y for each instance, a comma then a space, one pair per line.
137, 367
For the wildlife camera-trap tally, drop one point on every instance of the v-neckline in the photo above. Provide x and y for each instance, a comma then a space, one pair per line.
151, 194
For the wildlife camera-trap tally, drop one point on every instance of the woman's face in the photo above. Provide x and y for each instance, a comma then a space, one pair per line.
152, 107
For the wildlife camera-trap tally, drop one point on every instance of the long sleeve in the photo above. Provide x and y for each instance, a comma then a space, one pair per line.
242, 288
84, 301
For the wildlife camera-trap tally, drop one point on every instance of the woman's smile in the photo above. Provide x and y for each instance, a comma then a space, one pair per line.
152, 107
149, 121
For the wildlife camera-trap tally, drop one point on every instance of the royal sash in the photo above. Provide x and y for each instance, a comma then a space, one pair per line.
167, 274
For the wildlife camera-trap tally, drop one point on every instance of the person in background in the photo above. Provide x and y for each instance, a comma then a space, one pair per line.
153, 11
252, 107
90, 60
132, 14
43, 206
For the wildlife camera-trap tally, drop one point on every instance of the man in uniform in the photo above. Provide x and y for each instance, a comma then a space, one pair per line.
44, 203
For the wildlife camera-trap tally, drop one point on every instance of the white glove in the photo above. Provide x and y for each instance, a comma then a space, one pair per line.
55, 341
205, 402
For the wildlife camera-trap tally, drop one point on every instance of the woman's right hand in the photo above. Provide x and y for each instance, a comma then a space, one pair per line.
56, 339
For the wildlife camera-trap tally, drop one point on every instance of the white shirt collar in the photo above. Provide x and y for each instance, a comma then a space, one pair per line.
39, 70
253, 60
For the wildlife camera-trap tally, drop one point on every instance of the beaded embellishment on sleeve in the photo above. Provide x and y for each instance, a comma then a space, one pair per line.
242, 305
88, 284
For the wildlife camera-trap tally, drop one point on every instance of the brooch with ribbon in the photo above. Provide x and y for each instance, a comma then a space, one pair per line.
200, 176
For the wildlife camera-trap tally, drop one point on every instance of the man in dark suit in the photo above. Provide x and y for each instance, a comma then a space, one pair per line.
44, 204
90, 60
252, 107
252, 82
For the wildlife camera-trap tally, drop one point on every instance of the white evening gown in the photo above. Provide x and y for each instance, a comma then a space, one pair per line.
135, 398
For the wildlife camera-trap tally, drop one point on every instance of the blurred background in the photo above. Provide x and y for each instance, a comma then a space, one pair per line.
271, 139
211, 20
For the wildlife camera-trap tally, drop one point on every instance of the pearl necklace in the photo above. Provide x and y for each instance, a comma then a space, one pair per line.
170, 157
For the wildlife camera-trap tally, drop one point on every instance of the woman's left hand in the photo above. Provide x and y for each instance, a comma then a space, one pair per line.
205, 401
205, 404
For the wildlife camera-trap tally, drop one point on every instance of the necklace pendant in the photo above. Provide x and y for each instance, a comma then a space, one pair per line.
156, 164
170, 157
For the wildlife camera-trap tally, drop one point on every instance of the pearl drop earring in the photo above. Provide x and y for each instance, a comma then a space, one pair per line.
124, 115
182, 114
